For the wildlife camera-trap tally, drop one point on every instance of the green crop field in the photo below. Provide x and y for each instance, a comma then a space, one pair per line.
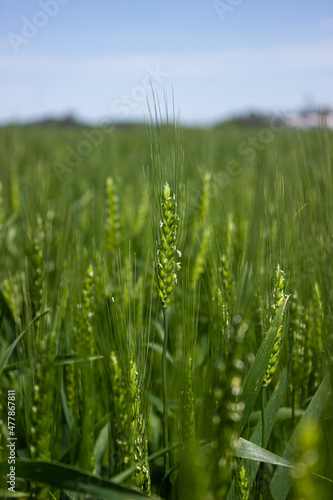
166, 301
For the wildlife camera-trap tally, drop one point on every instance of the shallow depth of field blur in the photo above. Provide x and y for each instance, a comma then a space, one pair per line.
249, 318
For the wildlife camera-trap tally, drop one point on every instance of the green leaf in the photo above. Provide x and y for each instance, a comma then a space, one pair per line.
257, 372
10, 494
282, 482
271, 414
100, 446
284, 413
252, 451
73, 479
5, 356
60, 360
69, 359
12, 367
74, 446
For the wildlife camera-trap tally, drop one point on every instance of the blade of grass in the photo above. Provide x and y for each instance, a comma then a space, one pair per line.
254, 452
257, 372
282, 481
284, 413
72, 479
271, 412
6, 355
59, 361
16, 494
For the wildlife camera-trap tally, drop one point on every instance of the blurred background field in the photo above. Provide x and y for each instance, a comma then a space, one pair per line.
77, 248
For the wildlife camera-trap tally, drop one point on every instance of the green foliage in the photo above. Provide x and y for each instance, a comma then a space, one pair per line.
102, 375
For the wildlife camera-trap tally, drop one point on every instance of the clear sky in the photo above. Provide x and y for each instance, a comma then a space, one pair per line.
99, 59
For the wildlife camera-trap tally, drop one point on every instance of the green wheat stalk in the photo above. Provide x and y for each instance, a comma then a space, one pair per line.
166, 268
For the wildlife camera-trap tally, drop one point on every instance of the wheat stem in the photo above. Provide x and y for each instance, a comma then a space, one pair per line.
165, 392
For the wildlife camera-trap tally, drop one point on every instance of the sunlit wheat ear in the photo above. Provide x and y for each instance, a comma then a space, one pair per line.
88, 307
45, 424
243, 484
120, 418
112, 223
167, 264
41, 429
141, 478
227, 279
83, 320
279, 297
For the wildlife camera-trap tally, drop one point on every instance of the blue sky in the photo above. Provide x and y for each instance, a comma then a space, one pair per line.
99, 59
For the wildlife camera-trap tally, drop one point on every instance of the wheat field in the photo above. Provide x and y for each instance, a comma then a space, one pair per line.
166, 313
